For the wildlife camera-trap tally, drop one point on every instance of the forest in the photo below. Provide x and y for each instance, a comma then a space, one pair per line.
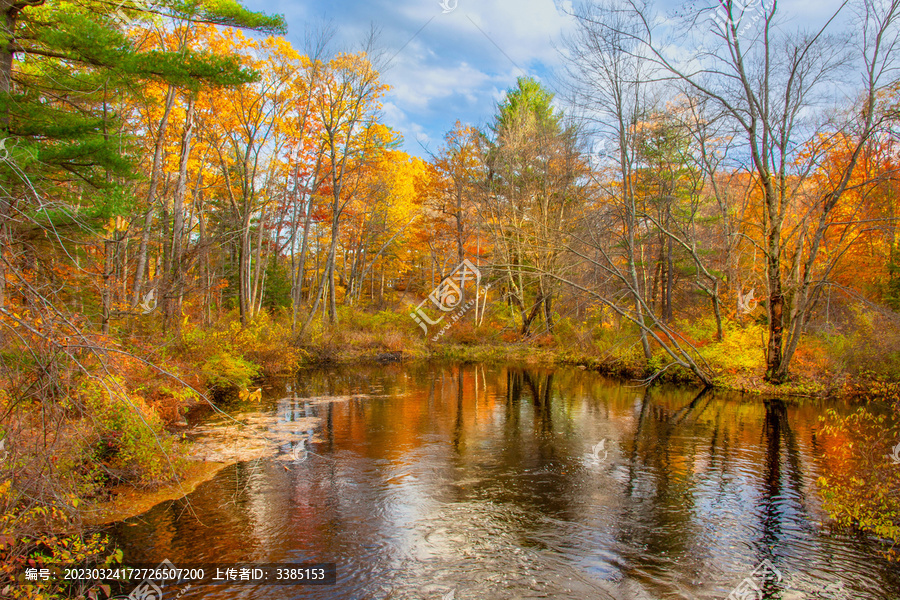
190, 204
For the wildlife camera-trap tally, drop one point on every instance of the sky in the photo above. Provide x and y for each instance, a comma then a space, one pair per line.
454, 59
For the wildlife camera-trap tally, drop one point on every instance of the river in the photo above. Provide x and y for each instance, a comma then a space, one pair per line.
454, 482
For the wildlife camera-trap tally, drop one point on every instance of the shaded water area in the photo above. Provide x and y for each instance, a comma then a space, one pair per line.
469, 481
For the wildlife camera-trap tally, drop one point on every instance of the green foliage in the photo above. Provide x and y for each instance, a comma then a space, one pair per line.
528, 101
224, 371
230, 14
505, 316
278, 286
28, 538
73, 61
861, 482
129, 441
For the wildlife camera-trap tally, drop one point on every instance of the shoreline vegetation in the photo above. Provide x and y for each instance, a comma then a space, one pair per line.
264, 350
139, 454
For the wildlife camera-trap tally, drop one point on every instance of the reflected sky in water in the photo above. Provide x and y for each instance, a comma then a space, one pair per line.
492, 482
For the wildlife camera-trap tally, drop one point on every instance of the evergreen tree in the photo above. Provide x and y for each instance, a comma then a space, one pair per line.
64, 66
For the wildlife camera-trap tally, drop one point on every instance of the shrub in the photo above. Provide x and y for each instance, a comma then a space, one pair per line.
224, 372
128, 439
27, 540
860, 481
871, 348
741, 349
267, 344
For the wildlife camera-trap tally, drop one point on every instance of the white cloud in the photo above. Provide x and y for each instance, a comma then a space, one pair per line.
415, 86
523, 29
398, 119
445, 66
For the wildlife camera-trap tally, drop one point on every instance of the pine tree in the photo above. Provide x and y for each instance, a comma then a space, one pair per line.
63, 67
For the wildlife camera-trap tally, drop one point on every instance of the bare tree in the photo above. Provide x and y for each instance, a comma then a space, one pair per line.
612, 89
776, 87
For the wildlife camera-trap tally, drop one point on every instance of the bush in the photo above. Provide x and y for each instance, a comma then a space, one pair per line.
572, 336
224, 372
871, 349
129, 441
231, 356
27, 540
860, 481
266, 343
742, 349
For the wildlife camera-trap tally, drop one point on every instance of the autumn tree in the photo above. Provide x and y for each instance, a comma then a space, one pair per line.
245, 129
461, 170
612, 88
380, 217
346, 108
685, 203
532, 190
767, 82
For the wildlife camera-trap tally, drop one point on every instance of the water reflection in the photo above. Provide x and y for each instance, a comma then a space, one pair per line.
481, 481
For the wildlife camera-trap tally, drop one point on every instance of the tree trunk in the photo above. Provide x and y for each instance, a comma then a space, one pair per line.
670, 282
10, 11
635, 282
205, 274
331, 307
776, 297
300, 275
140, 271
259, 271
717, 311
6, 63
175, 290
108, 266
244, 255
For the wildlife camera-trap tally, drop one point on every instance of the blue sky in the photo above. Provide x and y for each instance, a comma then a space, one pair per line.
457, 67
460, 63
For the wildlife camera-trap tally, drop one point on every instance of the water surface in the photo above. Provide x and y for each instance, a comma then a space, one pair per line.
468, 481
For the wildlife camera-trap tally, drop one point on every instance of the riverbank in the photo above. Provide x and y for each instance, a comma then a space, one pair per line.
811, 383
120, 440
828, 364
